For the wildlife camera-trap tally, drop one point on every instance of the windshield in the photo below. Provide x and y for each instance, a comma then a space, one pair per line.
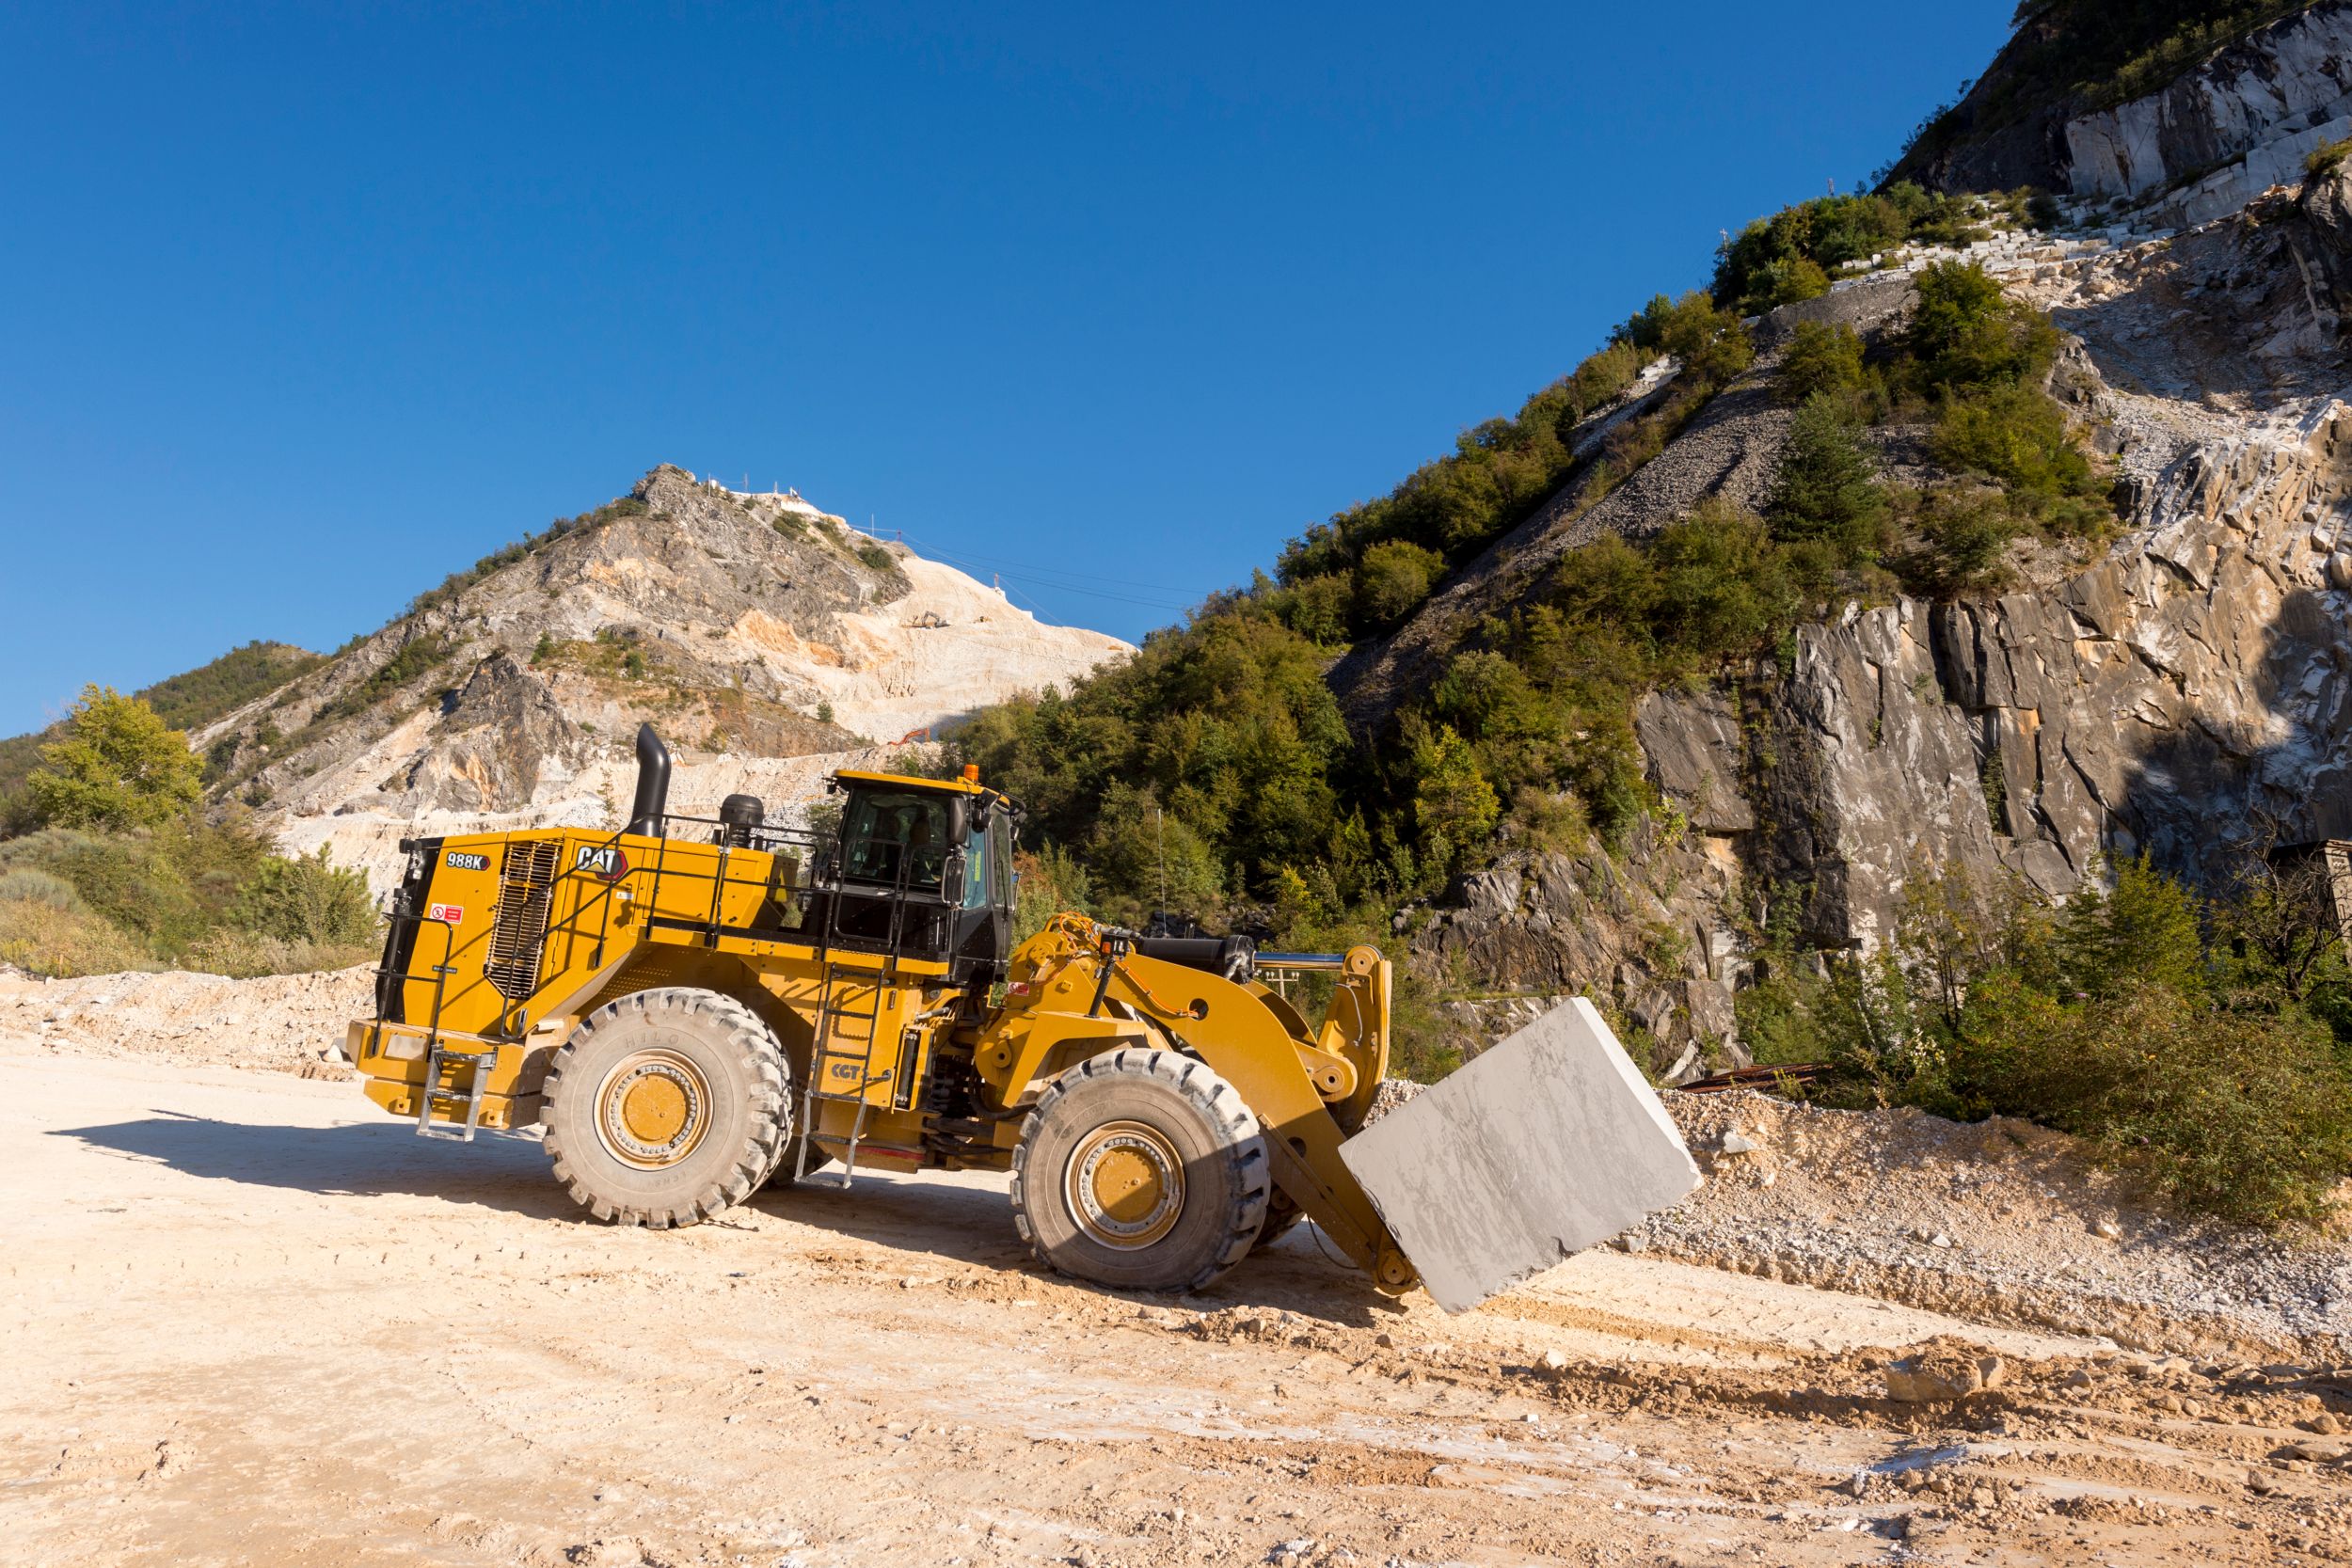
898, 837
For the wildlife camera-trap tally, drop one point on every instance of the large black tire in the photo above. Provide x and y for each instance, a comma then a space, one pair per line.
667, 1107
1281, 1218
1141, 1170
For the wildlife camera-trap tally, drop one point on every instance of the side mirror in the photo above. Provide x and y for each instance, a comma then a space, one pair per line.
959, 820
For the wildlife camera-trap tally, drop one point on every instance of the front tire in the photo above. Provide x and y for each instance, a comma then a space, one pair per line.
667, 1107
1141, 1170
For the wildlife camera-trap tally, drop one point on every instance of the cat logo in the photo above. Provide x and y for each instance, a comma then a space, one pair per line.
604, 861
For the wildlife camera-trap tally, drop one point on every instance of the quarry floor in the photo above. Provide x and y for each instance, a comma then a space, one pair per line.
250, 1320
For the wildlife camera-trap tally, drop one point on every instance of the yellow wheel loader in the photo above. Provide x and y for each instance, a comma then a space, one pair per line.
692, 1008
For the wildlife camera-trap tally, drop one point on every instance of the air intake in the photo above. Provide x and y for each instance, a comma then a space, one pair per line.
526, 892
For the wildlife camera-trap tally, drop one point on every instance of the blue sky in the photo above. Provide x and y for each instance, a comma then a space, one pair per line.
307, 307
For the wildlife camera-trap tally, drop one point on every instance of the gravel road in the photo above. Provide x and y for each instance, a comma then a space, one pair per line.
252, 1322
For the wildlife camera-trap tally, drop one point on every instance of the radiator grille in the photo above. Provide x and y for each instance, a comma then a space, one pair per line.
527, 889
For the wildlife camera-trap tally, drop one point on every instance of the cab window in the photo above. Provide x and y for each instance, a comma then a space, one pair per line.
976, 857
897, 837
1000, 859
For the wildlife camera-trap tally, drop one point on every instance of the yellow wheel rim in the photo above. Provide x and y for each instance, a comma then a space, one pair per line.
1125, 1185
653, 1109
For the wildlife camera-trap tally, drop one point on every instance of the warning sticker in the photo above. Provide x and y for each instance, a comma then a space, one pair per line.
454, 913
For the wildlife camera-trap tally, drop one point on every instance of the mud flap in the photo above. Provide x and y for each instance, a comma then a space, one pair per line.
1541, 1147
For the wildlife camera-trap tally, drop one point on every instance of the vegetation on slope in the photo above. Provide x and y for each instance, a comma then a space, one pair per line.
2202, 1043
2078, 56
120, 871
1213, 772
188, 700
212, 691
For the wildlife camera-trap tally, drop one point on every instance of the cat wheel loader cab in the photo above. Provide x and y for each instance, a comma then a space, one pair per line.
690, 1008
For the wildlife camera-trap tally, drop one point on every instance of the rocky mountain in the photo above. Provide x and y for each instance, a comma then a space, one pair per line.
768, 641
2184, 690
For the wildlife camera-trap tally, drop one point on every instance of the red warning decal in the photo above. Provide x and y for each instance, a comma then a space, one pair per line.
454, 913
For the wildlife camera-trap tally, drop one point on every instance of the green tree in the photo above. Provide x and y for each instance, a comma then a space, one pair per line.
116, 766
1821, 360
1392, 579
1454, 805
2145, 930
1143, 857
1827, 488
1967, 332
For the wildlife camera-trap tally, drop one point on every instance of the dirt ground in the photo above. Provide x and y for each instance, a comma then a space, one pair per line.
250, 1320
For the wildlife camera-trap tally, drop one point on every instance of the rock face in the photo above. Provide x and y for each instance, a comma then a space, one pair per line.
2184, 691
765, 640
2241, 120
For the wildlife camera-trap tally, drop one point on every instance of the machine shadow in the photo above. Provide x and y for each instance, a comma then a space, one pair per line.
953, 1222
973, 1225
361, 1159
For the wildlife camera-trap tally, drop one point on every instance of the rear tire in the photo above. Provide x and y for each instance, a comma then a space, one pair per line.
667, 1107
1141, 1170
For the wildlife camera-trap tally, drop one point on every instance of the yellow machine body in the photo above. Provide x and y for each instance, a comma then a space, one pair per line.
508, 942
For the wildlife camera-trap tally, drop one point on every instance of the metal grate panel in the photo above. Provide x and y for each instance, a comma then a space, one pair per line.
526, 892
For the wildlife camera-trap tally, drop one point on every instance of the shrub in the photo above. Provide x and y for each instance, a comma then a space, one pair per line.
2246, 1117
824, 713
134, 881
1044, 885
1452, 803
1721, 587
1827, 488
38, 936
1316, 609
876, 557
39, 887
1822, 361
1964, 534
1392, 579
1708, 340
2325, 159
114, 767
306, 898
2015, 435
1968, 333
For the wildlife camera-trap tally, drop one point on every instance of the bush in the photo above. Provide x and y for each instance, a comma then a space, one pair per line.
2245, 1117
2102, 1020
307, 899
1964, 534
134, 881
2014, 434
38, 936
876, 557
1822, 361
1721, 587
1392, 579
39, 887
1968, 333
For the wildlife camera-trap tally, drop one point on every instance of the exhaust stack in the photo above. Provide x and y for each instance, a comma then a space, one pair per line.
653, 785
